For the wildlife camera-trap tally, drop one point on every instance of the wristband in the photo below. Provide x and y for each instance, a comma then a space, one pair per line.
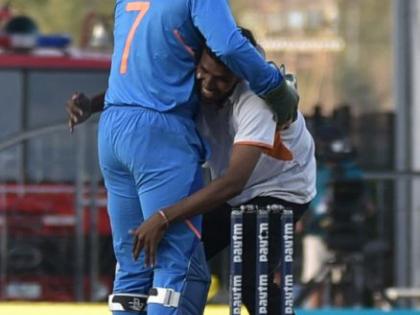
165, 218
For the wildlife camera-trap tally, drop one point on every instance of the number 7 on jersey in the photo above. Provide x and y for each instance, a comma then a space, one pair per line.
142, 8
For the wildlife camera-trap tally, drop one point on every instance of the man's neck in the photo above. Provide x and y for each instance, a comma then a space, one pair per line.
226, 101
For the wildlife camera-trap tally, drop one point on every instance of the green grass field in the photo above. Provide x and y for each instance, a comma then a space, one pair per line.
27, 308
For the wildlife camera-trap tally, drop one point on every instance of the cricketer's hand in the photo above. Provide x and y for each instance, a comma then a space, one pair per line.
284, 100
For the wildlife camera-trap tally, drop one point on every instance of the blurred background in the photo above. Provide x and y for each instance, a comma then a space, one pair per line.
358, 66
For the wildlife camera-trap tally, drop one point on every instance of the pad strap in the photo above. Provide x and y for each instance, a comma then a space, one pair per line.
127, 302
166, 297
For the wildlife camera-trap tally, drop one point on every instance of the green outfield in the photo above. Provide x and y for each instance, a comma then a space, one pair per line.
26, 308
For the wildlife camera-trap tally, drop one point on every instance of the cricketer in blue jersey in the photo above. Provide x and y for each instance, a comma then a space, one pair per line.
156, 48
149, 150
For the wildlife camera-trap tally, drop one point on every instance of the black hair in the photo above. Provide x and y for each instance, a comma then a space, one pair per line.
248, 35
245, 33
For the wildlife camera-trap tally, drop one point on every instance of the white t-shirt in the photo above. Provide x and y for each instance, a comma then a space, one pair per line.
286, 170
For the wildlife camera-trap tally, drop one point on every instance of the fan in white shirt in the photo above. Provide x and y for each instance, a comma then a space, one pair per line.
255, 160
285, 170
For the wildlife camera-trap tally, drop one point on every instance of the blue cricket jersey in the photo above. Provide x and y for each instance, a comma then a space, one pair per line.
156, 46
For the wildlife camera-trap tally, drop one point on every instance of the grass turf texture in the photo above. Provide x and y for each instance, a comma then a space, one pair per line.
27, 308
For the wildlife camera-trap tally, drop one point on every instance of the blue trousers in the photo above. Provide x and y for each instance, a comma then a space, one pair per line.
150, 160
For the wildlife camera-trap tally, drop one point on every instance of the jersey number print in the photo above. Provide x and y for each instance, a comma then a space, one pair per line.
141, 8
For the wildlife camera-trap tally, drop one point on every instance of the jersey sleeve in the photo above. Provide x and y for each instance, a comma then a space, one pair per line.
255, 122
214, 20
